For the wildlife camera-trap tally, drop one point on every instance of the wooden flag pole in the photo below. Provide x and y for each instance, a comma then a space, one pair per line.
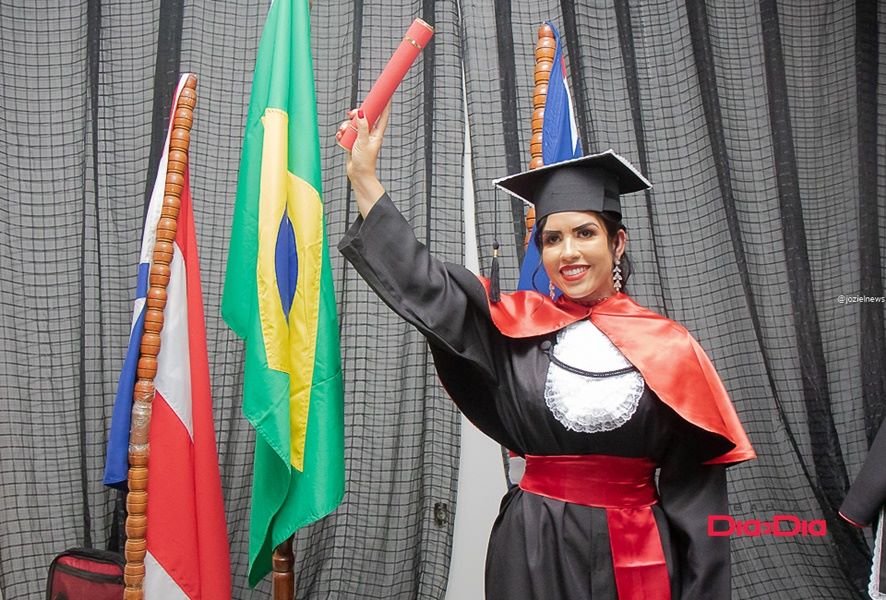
283, 563
283, 559
544, 62
143, 396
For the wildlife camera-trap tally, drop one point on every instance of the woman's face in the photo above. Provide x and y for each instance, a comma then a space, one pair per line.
578, 255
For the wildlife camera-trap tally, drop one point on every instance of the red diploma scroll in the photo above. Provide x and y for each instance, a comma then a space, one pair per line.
417, 37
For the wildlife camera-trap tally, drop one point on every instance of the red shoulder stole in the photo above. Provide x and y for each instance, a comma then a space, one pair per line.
673, 364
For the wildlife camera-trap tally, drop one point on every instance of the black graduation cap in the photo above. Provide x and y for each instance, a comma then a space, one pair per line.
592, 182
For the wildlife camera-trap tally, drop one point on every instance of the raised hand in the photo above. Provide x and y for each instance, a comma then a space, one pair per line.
363, 158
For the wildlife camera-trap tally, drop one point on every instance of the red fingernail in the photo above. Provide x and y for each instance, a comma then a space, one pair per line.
360, 114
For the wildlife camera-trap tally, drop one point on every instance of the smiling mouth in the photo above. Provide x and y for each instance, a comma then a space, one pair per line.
574, 273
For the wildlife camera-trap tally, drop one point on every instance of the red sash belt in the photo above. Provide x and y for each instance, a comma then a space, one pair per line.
625, 488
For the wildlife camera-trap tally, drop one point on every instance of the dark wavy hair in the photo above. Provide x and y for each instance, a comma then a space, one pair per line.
613, 223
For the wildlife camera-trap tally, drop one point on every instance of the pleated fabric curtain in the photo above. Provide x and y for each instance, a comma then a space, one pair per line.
760, 126
85, 95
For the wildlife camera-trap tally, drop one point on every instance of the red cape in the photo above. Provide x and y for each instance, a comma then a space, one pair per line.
673, 364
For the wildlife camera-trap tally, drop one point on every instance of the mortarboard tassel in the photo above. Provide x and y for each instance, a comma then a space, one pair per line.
494, 287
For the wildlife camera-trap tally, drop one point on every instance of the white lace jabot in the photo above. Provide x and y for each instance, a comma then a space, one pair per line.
590, 404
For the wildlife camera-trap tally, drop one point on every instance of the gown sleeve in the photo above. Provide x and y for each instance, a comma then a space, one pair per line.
867, 495
690, 491
445, 302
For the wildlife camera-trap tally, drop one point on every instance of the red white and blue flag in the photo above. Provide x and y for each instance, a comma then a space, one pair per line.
187, 542
559, 142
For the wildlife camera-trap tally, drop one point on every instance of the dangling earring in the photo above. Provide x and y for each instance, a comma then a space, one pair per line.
616, 275
551, 291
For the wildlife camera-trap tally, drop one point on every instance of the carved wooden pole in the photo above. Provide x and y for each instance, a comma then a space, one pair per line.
143, 396
283, 571
544, 62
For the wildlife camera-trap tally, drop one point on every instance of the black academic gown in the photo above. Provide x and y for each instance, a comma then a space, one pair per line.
865, 499
542, 548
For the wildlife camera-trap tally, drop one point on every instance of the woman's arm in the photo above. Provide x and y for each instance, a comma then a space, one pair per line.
867, 495
439, 299
445, 302
690, 493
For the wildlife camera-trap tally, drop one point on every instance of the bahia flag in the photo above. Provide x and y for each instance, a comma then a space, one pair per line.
559, 142
187, 541
278, 295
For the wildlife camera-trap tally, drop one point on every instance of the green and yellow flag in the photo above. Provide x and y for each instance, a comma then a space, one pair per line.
278, 295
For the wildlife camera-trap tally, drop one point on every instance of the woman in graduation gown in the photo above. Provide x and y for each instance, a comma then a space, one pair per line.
595, 391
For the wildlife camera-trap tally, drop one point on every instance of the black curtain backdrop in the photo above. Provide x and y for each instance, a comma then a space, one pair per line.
759, 123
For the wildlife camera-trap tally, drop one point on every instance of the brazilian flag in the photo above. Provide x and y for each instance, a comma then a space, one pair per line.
278, 295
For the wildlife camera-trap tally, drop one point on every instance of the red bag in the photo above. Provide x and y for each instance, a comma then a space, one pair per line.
86, 574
